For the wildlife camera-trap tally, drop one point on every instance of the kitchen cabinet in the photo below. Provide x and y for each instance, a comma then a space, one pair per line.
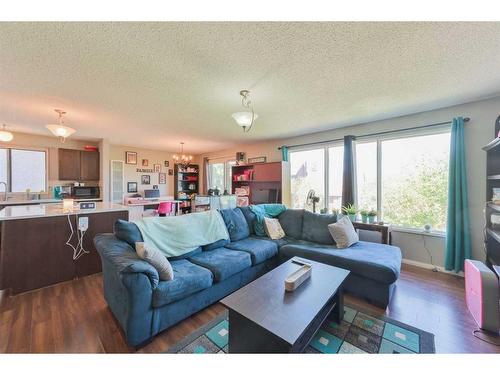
89, 166
77, 165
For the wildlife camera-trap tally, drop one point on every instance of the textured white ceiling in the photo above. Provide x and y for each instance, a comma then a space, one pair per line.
156, 84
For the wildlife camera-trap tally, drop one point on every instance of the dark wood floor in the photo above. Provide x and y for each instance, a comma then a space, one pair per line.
73, 317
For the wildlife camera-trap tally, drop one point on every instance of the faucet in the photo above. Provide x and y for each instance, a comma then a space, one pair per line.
5, 194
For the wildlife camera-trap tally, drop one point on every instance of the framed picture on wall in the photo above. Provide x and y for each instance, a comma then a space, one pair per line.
131, 187
130, 157
170, 172
157, 168
145, 162
162, 179
146, 179
166, 163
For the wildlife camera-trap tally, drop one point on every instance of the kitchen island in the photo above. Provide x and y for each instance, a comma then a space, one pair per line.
33, 243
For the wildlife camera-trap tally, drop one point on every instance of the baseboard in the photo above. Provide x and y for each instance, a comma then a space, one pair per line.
430, 267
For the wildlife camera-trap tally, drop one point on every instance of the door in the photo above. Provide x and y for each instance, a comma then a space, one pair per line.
89, 166
69, 164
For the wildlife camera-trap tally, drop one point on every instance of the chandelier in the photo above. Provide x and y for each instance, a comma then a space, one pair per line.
183, 160
245, 119
60, 130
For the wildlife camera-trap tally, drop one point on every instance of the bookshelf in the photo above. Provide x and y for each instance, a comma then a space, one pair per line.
186, 184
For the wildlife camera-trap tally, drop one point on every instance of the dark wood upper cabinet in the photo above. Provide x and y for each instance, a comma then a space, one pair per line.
89, 166
267, 172
76, 165
69, 164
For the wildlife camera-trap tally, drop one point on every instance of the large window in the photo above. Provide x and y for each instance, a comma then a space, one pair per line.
402, 177
220, 175
307, 170
23, 170
415, 181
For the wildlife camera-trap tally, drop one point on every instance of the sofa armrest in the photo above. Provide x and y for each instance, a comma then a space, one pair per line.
123, 257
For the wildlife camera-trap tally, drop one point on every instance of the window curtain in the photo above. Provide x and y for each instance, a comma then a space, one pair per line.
348, 175
458, 246
284, 153
207, 176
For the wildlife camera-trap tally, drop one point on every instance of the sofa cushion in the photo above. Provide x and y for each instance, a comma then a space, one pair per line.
236, 223
223, 262
343, 233
215, 245
258, 248
188, 278
156, 258
315, 228
250, 217
367, 259
291, 222
127, 231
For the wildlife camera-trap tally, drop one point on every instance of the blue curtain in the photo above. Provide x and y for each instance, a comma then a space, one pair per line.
348, 175
458, 247
284, 153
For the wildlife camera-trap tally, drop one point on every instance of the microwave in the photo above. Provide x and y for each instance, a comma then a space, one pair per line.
85, 192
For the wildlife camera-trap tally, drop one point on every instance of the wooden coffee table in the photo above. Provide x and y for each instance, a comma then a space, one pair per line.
263, 318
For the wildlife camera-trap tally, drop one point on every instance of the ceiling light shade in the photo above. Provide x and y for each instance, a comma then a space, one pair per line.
60, 130
245, 119
5, 136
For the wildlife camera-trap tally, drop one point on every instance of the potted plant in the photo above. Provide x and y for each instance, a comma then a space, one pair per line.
350, 211
335, 213
372, 214
364, 215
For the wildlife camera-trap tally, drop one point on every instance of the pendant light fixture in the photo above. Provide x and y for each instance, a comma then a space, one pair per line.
183, 160
5, 136
60, 130
245, 119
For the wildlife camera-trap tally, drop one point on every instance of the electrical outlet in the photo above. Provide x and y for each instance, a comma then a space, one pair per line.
83, 223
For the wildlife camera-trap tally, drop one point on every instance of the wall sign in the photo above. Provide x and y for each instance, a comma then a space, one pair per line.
145, 170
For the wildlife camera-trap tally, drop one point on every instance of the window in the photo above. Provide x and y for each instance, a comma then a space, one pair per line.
220, 175
415, 180
404, 179
307, 170
335, 176
23, 170
366, 176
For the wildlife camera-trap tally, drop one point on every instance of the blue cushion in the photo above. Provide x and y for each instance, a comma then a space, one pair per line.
250, 217
367, 259
291, 222
215, 245
188, 279
223, 262
315, 228
258, 248
128, 232
187, 255
236, 223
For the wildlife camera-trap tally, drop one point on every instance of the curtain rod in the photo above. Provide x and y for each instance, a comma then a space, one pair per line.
219, 157
466, 119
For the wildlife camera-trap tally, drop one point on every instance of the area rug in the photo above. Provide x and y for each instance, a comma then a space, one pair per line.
359, 332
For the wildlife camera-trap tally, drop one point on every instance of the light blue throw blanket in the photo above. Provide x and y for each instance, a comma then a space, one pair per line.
265, 210
178, 235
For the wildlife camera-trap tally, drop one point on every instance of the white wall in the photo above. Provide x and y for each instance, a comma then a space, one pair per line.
478, 132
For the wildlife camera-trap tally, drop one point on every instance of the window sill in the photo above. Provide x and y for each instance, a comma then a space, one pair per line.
418, 231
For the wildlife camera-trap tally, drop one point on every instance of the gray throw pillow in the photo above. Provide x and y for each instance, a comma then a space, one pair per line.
156, 258
343, 233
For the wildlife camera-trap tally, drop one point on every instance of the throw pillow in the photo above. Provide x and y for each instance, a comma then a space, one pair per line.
343, 233
273, 228
127, 231
236, 223
156, 258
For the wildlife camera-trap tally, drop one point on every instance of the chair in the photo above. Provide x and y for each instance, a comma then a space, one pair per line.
165, 208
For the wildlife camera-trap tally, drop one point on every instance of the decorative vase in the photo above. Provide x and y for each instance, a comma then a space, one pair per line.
371, 219
364, 218
352, 217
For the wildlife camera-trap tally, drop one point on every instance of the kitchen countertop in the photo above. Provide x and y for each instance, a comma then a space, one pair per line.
53, 209
42, 201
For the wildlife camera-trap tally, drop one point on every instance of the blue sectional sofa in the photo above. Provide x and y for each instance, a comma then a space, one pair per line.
145, 306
